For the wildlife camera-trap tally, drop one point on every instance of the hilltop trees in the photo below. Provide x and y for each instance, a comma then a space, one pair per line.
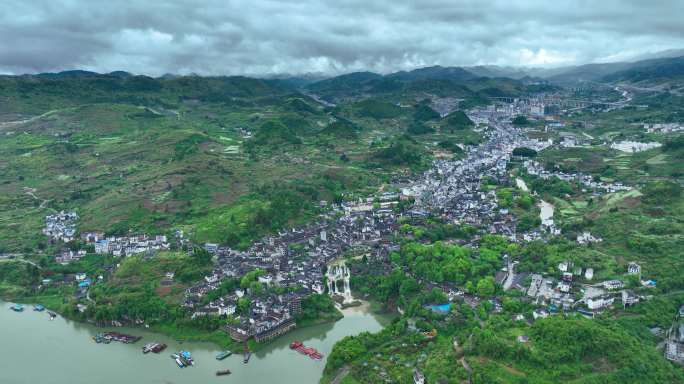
458, 121
524, 152
520, 121
377, 109
401, 151
661, 192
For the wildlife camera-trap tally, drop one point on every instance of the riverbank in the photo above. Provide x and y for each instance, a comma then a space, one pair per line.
218, 337
55, 304
66, 353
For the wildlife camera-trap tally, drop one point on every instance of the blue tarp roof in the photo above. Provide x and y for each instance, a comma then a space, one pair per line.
440, 307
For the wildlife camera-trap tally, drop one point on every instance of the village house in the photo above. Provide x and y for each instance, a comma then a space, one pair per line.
597, 303
130, 245
629, 298
66, 256
613, 284
634, 269
61, 226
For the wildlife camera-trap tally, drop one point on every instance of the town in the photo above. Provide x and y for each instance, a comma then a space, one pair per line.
298, 261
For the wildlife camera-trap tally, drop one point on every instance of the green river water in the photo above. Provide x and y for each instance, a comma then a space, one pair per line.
35, 350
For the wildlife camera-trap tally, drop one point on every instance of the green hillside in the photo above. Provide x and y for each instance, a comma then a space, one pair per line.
201, 154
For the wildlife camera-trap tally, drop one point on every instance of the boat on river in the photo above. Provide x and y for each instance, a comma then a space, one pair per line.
222, 355
223, 372
121, 337
183, 359
153, 347
17, 308
178, 360
301, 348
38, 308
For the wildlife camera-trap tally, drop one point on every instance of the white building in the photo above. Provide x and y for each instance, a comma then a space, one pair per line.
629, 298
599, 302
102, 247
540, 313
613, 284
634, 268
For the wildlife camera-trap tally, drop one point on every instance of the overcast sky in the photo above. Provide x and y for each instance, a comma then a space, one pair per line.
256, 37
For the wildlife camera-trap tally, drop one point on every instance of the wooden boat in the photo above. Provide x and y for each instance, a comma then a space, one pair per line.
222, 355
223, 372
301, 348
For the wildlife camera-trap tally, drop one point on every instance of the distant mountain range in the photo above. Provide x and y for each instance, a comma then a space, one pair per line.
485, 80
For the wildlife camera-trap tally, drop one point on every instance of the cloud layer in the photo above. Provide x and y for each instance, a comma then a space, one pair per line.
273, 37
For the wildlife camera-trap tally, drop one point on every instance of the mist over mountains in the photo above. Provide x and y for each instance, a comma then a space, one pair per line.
650, 66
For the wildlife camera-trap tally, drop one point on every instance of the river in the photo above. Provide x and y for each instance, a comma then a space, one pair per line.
36, 350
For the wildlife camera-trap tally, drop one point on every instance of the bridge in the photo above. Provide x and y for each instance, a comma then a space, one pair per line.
558, 101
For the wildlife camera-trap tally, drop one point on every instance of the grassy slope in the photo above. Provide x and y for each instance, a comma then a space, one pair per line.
179, 163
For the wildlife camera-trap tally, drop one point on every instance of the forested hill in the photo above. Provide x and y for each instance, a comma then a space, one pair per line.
228, 159
441, 81
37, 93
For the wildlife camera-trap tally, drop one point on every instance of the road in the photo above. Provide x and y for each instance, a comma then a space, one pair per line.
510, 277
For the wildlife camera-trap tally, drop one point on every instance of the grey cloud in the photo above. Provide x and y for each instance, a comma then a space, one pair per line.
266, 37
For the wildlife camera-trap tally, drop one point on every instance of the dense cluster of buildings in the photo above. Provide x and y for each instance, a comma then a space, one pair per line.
587, 181
66, 256
674, 343
634, 146
533, 107
61, 226
452, 189
663, 127
294, 261
560, 292
126, 245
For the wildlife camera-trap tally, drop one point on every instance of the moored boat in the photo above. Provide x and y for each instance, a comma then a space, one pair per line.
17, 308
186, 358
39, 308
177, 359
311, 352
180, 363
247, 356
223, 372
222, 355
121, 337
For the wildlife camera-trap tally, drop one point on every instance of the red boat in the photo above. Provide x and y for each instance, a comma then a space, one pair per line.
311, 352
